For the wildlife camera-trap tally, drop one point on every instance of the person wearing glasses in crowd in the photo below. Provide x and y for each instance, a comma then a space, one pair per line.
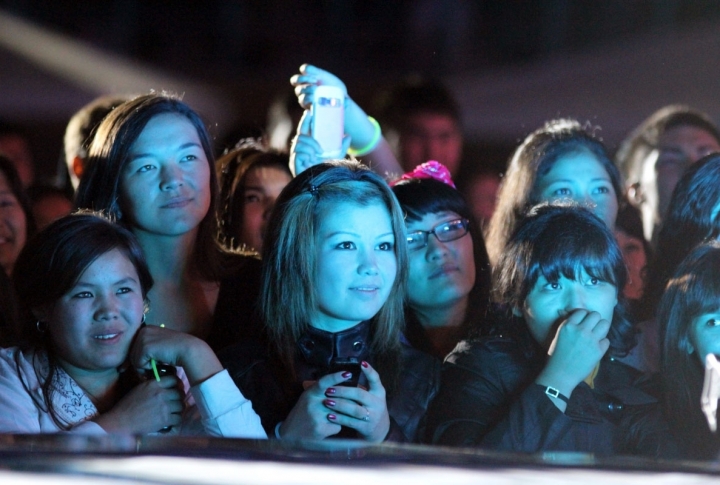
449, 272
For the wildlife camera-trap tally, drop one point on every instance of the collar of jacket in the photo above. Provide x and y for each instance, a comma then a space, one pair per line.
320, 348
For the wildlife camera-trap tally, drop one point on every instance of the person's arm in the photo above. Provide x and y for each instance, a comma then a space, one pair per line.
366, 140
223, 409
18, 412
548, 415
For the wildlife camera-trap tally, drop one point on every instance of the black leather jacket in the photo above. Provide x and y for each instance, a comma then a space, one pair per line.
488, 398
265, 381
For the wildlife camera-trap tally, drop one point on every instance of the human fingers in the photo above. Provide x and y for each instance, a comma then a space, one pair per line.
305, 94
305, 125
375, 385
304, 153
576, 316
346, 407
328, 381
601, 328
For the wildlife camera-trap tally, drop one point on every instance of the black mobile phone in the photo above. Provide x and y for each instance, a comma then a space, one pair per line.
350, 364
162, 370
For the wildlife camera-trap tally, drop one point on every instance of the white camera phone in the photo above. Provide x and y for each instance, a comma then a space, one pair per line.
328, 120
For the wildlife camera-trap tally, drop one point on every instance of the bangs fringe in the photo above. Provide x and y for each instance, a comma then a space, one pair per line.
569, 256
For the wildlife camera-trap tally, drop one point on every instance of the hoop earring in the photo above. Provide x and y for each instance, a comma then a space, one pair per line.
142, 322
41, 326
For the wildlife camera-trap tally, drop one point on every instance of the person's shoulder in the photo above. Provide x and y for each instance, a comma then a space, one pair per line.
480, 349
18, 363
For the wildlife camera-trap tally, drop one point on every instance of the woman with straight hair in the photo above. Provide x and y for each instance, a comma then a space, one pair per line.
562, 160
151, 168
548, 377
689, 320
334, 271
692, 218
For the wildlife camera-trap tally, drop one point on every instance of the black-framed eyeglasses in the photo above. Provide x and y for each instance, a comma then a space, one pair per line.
445, 232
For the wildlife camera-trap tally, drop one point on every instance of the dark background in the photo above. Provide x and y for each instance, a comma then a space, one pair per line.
245, 51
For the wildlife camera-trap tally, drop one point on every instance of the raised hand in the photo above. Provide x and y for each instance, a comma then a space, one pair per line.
305, 151
309, 78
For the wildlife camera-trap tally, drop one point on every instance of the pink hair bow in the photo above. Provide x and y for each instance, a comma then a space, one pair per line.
429, 170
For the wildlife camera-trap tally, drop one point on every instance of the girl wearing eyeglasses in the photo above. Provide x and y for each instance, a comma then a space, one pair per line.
449, 274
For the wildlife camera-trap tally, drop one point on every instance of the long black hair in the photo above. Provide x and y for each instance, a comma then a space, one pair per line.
693, 290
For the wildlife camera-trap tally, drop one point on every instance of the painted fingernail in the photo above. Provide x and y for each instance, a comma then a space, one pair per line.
331, 390
365, 364
347, 375
329, 402
332, 417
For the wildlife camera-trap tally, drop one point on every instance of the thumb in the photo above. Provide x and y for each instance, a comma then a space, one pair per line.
305, 125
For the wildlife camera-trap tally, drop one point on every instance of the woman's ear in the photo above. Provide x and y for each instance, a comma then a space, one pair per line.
686, 346
516, 311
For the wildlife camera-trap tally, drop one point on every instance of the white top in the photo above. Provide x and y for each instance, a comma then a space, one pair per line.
215, 407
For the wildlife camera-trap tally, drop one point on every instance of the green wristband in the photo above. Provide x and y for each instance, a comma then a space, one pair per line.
373, 143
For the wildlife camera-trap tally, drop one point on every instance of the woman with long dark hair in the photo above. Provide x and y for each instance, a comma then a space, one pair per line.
151, 168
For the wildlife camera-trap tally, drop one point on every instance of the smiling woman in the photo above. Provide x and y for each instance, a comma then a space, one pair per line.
82, 284
333, 279
151, 168
16, 221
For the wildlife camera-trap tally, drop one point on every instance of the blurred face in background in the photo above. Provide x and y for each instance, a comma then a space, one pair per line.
431, 136
678, 148
261, 188
13, 226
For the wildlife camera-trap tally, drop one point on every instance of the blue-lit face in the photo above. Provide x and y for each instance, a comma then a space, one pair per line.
94, 323
165, 186
356, 264
705, 335
582, 178
549, 304
441, 273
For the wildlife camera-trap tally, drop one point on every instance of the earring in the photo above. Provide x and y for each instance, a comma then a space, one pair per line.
142, 322
41, 326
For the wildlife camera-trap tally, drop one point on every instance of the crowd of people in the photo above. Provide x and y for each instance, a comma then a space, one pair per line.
276, 294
